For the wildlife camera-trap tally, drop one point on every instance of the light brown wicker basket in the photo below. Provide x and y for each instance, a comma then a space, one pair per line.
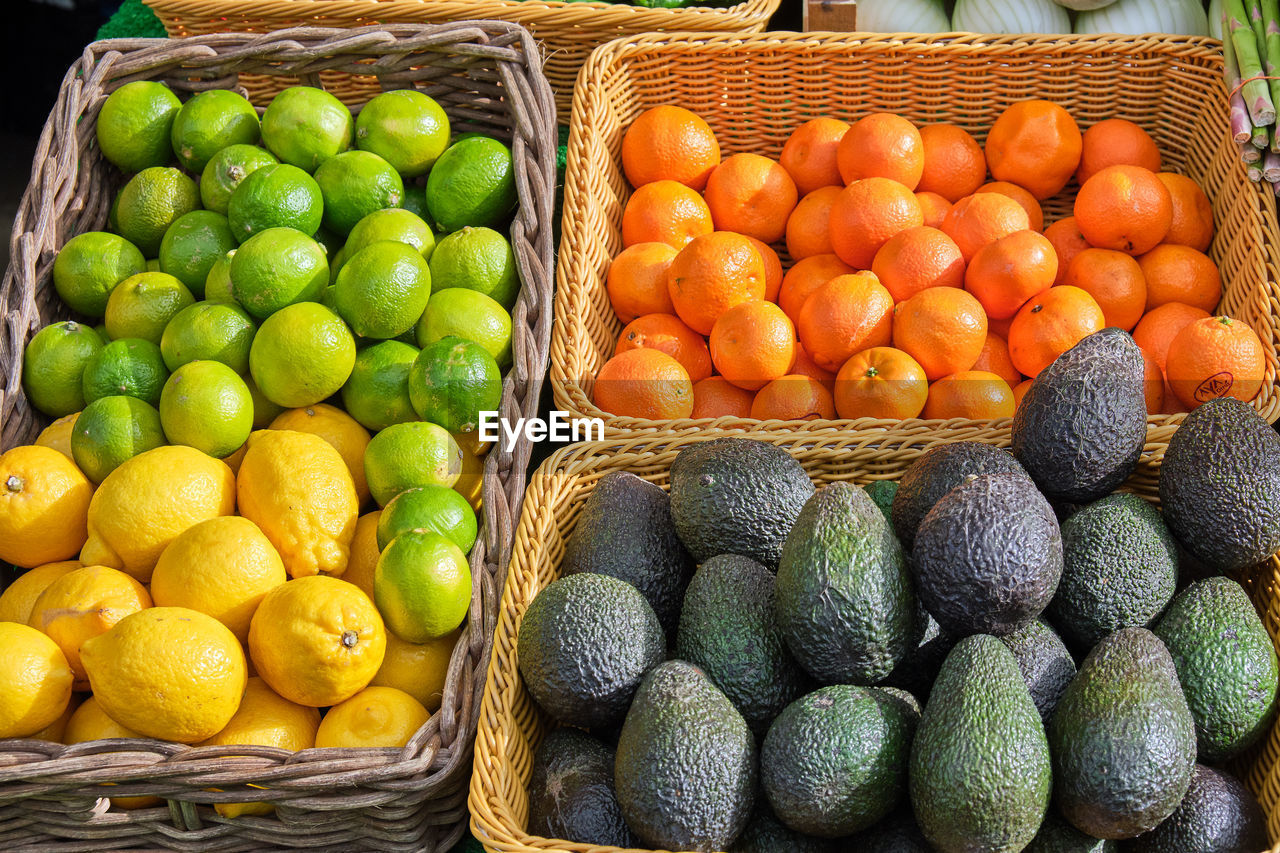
511, 724
568, 31
754, 91
486, 77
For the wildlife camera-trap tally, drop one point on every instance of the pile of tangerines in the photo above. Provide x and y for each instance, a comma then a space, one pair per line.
915, 288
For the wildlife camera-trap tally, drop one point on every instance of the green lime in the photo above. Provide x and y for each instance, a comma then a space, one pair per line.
422, 586
153, 265
415, 201
275, 268
478, 259
304, 126
151, 202
133, 125
217, 284
328, 299
355, 184
53, 366
226, 170
452, 381
473, 183
429, 508
281, 196
101, 329
143, 304
205, 405
209, 122
89, 267
393, 223
113, 430
264, 411
209, 331
383, 289
377, 393
407, 455
470, 315
129, 367
301, 355
113, 214
192, 245
406, 128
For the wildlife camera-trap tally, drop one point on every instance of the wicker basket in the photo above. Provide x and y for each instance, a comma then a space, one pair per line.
754, 91
486, 77
511, 724
568, 31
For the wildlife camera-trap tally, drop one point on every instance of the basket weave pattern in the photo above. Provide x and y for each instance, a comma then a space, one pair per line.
568, 31
485, 76
755, 91
512, 726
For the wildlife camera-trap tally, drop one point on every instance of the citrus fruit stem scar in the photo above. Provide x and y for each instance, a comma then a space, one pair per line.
349, 638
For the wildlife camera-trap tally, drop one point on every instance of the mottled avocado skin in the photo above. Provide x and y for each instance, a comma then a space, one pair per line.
844, 597
1122, 738
1045, 663
686, 764
625, 531
766, 834
571, 793
1120, 570
1220, 486
920, 667
584, 644
979, 773
988, 556
729, 628
736, 496
1218, 815
1226, 663
1058, 836
882, 493
897, 833
939, 470
835, 761
1081, 427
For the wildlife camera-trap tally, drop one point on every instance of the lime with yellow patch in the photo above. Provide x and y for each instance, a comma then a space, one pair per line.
276, 268
279, 196
473, 183
422, 586
150, 202
206, 405
89, 267
53, 366
142, 305
209, 331
407, 455
470, 315
111, 431
191, 246
304, 126
301, 355
383, 290
478, 259
209, 122
406, 128
226, 169
435, 508
452, 382
355, 184
129, 367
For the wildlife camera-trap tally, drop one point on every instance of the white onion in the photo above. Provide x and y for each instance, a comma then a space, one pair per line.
1138, 17
902, 16
1010, 16
1084, 5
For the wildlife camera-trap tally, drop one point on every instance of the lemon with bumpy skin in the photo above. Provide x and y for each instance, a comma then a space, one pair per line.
364, 553
419, 669
82, 604
44, 506
134, 125
298, 490
223, 567
148, 501
422, 585
317, 641
20, 596
57, 435
374, 717
265, 718
340, 430
168, 672
35, 681
89, 722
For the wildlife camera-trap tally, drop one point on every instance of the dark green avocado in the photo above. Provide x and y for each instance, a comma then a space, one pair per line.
897, 833
1220, 485
920, 667
766, 834
736, 496
584, 644
571, 793
1218, 815
882, 493
988, 556
1058, 836
625, 531
1045, 663
1080, 429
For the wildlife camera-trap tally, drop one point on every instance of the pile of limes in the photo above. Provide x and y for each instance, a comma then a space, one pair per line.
321, 302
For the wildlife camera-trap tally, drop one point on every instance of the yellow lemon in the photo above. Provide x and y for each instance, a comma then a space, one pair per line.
233, 461
35, 681
376, 716
265, 718
167, 672
338, 428
222, 567
90, 722
57, 435
82, 604
145, 503
297, 488
44, 505
470, 483
364, 553
55, 731
317, 640
16, 601
418, 669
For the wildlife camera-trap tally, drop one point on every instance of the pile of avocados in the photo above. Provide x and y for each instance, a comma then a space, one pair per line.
998, 653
